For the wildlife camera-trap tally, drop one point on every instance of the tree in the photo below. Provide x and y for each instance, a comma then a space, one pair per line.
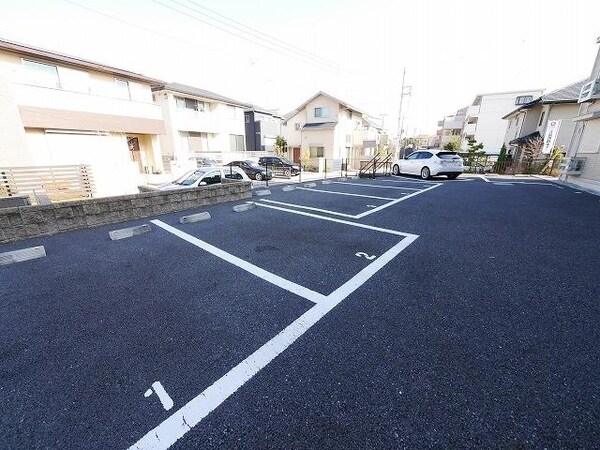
280, 146
474, 150
453, 145
500, 165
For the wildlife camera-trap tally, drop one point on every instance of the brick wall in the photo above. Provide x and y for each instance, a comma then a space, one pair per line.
32, 221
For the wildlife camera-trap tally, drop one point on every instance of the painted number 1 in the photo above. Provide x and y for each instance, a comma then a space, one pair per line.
361, 254
162, 395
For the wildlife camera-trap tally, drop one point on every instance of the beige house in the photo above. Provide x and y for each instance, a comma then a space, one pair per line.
327, 129
199, 124
582, 166
58, 110
529, 122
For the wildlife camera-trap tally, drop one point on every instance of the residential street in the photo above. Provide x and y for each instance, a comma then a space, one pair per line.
356, 314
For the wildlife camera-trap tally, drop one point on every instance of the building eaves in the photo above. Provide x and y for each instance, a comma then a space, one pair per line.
269, 112
319, 126
341, 102
47, 55
197, 92
567, 94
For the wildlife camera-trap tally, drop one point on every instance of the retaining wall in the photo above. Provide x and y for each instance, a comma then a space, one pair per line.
32, 221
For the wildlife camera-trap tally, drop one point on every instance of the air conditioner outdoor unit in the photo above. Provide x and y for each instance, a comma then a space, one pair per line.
589, 90
573, 166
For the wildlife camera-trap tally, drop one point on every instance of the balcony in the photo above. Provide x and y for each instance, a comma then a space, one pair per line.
470, 128
473, 111
56, 99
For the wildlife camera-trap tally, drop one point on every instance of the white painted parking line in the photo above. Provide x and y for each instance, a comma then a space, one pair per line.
409, 181
310, 208
346, 193
387, 205
183, 420
351, 216
331, 219
376, 186
290, 286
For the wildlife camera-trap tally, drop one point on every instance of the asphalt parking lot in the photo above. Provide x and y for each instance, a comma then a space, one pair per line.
353, 314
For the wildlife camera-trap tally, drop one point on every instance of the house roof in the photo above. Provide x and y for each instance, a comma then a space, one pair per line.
47, 55
197, 92
525, 139
291, 114
319, 126
567, 94
258, 109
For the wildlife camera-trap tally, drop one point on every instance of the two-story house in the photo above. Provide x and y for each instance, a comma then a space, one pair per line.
529, 122
199, 124
58, 110
326, 128
262, 128
582, 166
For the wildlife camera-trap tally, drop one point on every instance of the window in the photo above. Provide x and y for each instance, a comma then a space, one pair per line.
296, 126
317, 152
321, 112
522, 99
542, 117
39, 74
415, 155
247, 118
348, 138
213, 177
236, 142
189, 103
425, 155
123, 89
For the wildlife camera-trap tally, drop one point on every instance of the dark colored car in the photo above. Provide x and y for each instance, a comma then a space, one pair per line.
279, 165
252, 169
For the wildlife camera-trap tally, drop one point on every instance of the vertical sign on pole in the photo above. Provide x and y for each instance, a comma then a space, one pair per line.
550, 136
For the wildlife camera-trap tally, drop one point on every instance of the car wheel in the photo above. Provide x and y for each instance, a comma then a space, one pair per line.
453, 176
286, 173
396, 169
425, 173
258, 176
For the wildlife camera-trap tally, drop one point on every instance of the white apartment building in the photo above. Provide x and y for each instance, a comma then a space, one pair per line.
483, 119
57, 110
199, 124
326, 128
582, 166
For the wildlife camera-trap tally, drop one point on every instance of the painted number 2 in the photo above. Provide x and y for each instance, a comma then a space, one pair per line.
363, 254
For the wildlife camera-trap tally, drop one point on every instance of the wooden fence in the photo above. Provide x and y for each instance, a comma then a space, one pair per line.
56, 182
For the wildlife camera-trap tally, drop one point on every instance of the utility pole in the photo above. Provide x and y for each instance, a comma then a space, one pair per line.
405, 90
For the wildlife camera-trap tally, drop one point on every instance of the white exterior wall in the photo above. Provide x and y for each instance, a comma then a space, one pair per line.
491, 128
318, 138
218, 120
85, 91
565, 113
290, 133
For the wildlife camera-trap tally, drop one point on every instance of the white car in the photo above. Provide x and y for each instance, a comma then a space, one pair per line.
202, 176
429, 163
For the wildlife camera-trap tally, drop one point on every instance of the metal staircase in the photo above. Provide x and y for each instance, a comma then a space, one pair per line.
378, 166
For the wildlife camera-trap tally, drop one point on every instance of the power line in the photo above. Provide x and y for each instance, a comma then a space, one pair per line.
259, 34
277, 48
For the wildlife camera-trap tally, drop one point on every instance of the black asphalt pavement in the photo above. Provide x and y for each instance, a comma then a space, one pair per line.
482, 333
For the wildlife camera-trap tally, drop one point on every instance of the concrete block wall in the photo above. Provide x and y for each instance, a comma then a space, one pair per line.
26, 222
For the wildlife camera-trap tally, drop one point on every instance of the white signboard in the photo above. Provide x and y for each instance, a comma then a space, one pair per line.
550, 136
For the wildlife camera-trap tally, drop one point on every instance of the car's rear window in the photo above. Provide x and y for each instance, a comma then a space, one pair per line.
447, 155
